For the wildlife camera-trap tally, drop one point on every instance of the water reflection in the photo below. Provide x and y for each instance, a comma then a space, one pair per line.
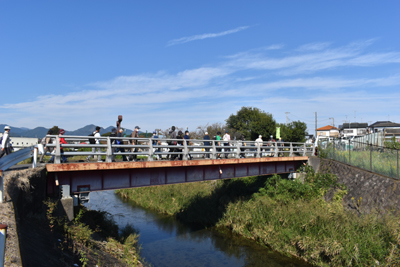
167, 242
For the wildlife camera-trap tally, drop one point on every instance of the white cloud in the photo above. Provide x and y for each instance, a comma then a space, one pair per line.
313, 46
205, 36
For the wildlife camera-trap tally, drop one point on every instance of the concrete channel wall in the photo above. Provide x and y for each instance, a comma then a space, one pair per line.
367, 191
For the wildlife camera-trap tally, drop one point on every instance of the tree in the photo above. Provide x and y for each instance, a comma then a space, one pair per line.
295, 131
56, 130
252, 122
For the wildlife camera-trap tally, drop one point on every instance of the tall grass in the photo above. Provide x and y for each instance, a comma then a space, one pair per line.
288, 216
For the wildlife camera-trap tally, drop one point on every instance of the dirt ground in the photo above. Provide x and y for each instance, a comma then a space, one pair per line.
29, 240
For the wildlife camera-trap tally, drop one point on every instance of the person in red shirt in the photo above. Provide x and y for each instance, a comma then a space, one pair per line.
62, 141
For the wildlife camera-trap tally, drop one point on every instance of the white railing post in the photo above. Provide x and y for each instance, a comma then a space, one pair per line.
291, 150
109, 152
304, 150
34, 159
185, 150
214, 151
1, 186
3, 235
258, 149
57, 156
150, 154
276, 150
238, 145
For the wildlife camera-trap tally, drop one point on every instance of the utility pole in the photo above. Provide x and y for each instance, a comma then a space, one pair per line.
333, 121
287, 119
315, 124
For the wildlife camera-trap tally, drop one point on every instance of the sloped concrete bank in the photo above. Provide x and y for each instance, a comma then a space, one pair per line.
367, 191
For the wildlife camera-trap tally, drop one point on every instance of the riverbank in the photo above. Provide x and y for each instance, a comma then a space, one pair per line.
288, 216
39, 235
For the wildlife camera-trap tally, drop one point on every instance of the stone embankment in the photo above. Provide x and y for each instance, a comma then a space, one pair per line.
367, 191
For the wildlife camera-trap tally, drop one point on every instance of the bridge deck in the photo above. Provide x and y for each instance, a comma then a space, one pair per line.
116, 175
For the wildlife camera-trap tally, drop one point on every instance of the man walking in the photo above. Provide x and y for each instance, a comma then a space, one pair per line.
6, 147
227, 138
94, 149
120, 141
188, 143
206, 143
172, 135
135, 134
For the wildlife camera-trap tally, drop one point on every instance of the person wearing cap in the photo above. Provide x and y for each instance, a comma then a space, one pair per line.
259, 143
155, 143
226, 138
62, 141
96, 149
6, 146
206, 143
134, 134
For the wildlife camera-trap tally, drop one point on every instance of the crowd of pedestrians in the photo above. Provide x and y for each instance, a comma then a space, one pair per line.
176, 140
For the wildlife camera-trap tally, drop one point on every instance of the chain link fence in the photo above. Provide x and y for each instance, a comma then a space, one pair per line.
374, 158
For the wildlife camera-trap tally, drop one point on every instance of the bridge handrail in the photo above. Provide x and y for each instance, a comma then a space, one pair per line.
235, 147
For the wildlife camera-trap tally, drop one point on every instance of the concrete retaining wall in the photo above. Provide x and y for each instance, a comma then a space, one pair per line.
369, 190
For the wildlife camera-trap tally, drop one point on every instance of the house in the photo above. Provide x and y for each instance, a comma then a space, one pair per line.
384, 126
353, 129
329, 131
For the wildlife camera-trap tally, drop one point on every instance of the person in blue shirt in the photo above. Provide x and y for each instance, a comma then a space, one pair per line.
155, 143
188, 142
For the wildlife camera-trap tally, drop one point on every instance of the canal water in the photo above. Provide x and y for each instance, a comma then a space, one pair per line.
168, 242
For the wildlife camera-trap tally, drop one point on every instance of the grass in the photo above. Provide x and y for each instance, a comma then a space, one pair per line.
288, 216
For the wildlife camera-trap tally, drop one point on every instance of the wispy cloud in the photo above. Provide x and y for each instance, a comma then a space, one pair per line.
205, 36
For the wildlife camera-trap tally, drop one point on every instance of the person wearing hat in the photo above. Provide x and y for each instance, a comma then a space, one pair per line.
226, 138
62, 141
134, 134
206, 143
6, 146
94, 149
259, 143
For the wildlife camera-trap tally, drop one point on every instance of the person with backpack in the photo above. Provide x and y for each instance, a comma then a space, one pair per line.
6, 147
96, 140
46, 141
206, 143
179, 144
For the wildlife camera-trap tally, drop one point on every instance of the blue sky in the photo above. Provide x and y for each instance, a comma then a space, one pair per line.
188, 63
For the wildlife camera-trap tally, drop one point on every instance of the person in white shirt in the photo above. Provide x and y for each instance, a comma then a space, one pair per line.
259, 143
226, 138
6, 147
94, 149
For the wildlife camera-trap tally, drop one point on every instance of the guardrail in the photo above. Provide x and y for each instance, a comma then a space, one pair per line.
173, 148
18, 156
3, 235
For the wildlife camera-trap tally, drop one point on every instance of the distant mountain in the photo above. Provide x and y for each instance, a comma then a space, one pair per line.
39, 132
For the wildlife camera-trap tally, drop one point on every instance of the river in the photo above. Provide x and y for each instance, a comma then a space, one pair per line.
167, 242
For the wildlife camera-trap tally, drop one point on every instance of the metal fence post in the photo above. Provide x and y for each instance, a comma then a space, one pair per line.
238, 149
3, 235
57, 157
398, 177
333, 147
34, 159
2, 186
291, 149
214, 151
370, 158
349, 152
276, 150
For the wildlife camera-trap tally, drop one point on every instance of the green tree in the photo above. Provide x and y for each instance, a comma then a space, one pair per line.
252, 122
55, 130
295, 131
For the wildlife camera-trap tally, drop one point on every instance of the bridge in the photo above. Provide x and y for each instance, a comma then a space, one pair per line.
245, 158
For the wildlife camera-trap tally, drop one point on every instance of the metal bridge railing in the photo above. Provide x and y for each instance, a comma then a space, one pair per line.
79, 146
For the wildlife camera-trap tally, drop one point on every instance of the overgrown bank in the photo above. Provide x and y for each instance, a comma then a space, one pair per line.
288, 216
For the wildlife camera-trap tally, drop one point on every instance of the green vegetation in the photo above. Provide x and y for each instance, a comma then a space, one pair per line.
384, 161
78, 235
289, 216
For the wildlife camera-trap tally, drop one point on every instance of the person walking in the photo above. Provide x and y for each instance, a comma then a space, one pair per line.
155, 143
179, 145
113, 142
218, 143
172, 135
96, 135
259, 143
227, 138
135, 134
206, 143
62, 141
6, 147
242, 146
188, 143
120, 141
47, 140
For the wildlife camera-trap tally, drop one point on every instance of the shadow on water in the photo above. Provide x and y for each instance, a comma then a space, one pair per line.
166, 241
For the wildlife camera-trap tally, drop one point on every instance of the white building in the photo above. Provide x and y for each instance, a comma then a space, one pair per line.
22, 142
328, 131
353, 129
